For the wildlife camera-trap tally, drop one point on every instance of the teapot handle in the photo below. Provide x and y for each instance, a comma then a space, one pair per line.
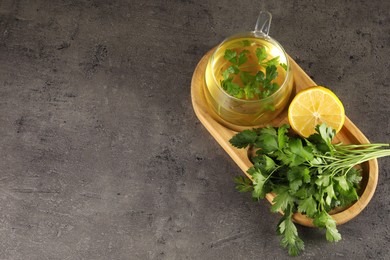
263, 23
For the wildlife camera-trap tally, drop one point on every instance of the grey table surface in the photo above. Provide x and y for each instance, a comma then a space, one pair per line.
102, 156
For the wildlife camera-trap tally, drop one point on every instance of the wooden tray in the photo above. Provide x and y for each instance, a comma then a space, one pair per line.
222, 131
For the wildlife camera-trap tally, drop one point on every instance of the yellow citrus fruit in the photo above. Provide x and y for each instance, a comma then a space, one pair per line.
314, 106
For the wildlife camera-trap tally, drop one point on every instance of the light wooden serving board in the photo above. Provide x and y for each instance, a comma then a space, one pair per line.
223, 131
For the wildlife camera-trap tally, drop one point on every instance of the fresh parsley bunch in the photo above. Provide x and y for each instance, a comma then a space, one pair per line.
308, 175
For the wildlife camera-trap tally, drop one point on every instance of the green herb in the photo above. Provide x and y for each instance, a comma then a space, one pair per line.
246, 43
308, 175
256, 85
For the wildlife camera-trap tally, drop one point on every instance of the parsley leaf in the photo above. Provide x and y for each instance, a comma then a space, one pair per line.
267, 142
231, 69
301, 154
264, 163
230, 55
323, 180
260, 76
323, 138
261, 54
308, 206
282, 135
246, 77
242, 58
346, 198
290, 239
273, 62
282, 200
342, 182
298, 175
233, 88
353, 176
258, 180
243, 139
246, 43
323, 219
330, 194
271, 73
244, 184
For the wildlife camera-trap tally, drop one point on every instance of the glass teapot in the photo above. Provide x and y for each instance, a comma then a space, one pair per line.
248, 77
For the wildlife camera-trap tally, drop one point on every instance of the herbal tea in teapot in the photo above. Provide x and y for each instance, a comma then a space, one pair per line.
248, 78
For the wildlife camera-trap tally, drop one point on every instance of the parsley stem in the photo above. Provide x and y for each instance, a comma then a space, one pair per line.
353, 146
338, 165
276, 168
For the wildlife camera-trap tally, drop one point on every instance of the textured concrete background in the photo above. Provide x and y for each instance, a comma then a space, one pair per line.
102, 156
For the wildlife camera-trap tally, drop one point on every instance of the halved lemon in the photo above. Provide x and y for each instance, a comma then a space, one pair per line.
314, 106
